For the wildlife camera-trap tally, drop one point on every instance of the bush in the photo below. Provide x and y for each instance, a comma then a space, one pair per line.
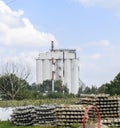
25, 94
55, 95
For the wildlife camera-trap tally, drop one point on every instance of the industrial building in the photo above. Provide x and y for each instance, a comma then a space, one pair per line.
59, 64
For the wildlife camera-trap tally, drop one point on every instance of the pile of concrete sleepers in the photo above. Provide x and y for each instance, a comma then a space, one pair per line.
45, 114
24, 116
108, 106
34, 115
60, 115
67, 115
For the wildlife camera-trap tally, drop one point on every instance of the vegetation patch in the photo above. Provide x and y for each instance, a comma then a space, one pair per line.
8, 124
14, 103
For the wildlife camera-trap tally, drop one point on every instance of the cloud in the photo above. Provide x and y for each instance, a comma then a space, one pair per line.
103, 43
19, 39
27, 59
109, 4
17, 30
103, 3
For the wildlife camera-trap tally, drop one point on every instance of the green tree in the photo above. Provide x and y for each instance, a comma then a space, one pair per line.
13, 80
47, 86
93, 89
11, 85
112, 88
80, 91
87, 90
102, 89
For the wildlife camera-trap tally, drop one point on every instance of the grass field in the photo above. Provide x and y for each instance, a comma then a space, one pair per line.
13, 103
7, 124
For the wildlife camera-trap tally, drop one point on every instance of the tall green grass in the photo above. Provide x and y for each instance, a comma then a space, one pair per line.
13, 103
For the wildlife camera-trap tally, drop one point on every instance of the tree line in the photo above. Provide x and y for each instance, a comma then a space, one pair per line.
14, 85
112, 88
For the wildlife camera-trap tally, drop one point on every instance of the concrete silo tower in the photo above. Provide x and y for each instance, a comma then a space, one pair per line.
59, 64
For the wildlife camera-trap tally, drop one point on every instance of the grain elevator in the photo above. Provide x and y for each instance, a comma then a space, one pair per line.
59, 64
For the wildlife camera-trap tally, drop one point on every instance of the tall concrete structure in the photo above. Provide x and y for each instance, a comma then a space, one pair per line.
59, 64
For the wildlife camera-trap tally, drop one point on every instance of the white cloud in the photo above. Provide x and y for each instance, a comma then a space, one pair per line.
27, 59
96, 56
103, 3
17, 30
18, 36
109, 4
104, 43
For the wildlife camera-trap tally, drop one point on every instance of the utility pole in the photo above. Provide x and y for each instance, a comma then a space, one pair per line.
53, 66
63, 81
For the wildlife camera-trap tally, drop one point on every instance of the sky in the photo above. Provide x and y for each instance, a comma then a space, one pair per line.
92, 27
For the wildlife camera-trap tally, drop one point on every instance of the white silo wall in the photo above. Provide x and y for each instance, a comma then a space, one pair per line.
49, 69
39, 76
46, 70
69, 55
67, 74
75, 76
56, 69
60, 69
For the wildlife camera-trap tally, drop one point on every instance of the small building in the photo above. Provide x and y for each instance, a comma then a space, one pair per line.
59, 64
